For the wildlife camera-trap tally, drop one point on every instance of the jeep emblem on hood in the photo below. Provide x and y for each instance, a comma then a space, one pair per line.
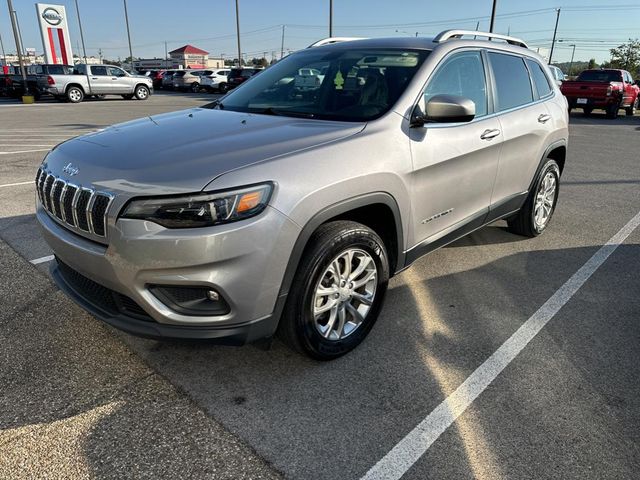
52, 16
70, 169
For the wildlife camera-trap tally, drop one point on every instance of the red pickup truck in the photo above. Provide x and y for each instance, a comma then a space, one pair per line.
605, 89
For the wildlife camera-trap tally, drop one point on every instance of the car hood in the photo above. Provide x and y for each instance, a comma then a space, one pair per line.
184, 151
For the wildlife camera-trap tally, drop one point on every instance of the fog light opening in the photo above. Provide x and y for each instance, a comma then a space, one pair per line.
213, 295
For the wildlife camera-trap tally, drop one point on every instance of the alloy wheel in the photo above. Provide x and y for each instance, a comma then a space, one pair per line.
344, 294
545, 199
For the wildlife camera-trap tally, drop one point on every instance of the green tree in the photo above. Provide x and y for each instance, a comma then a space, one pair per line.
627, 56
592, 64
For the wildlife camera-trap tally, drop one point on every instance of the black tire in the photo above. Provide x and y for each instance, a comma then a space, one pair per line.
223, 87
127, 97
75, 94
523, 223
612, 111
141, 92
195, 87
587, 111
631, 111
297, 327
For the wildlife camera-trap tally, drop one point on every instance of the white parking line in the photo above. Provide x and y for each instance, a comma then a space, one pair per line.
409, 450
26, 151
46, 259
16, 184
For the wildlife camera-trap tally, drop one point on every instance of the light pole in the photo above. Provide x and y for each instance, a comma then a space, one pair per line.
330, 18
126, 19
12, 14
282, 44
555, 31
572, 54
493, 16
4, 55
238, 33
84, 50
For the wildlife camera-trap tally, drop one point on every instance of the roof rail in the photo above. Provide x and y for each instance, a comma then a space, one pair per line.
330, 40
448, 34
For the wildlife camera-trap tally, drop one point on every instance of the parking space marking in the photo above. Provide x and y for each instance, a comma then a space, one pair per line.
409, 450
26, 151
16, 184
37, 261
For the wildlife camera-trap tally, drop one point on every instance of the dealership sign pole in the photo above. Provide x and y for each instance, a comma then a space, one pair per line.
18, 46
55, 33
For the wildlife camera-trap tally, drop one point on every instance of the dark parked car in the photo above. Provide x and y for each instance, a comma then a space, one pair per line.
240, 75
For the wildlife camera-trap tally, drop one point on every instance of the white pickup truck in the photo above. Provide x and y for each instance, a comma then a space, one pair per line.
98, 80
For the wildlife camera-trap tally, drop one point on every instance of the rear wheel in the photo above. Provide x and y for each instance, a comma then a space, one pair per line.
612, 111
142, 92
127, 97
75, 94
223, 87
538, 209
631, 111
195, 87
337, 292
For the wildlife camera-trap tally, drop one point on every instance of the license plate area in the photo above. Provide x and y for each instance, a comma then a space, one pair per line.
582, 101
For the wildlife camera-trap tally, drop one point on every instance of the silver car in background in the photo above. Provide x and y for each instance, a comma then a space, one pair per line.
286, 209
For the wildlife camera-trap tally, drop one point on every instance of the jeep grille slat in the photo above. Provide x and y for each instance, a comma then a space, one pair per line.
78, 207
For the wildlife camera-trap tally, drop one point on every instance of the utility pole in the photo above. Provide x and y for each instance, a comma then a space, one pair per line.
12, 14
100, 54
555, 31
238, 33
572, 53
4, 55
493, 16
330, 18
282, 44
84, 50
166, 56
126, 19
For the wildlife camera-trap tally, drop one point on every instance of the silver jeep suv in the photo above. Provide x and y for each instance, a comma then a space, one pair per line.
283, 208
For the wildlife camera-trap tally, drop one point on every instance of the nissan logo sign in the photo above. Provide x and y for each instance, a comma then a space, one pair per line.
52, 16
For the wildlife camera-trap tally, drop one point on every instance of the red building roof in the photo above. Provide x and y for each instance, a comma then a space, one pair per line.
189, 49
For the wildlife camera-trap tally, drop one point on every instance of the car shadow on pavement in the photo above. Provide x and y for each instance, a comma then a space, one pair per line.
433, 332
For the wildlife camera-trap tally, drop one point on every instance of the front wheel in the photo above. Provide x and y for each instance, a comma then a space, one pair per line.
142, 92
631, 111
337, 292
536, 213
223, 87
195, 87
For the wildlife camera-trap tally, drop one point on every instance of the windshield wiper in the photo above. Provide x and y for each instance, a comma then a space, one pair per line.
283, 113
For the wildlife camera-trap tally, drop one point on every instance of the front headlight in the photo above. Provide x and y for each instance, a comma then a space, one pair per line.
203, 209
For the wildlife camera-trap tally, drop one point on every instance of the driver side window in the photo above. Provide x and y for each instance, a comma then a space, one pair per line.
462, 74
115, 72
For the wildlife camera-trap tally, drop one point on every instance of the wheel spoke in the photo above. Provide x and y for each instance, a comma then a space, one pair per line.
342, 315
330, 303
363, 263
366, 299
355, 314
332, 320
363, 281
325, 291
348, 258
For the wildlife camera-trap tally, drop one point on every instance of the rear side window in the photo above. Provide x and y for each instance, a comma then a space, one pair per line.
462, 74
101, 71
513, 86
540, 79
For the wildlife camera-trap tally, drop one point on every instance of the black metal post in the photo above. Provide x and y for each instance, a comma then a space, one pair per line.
238, 33
493, 15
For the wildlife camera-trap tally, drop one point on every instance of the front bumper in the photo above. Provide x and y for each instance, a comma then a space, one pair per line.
243, 261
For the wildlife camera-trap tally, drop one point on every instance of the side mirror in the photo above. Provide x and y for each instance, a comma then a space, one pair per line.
444, 109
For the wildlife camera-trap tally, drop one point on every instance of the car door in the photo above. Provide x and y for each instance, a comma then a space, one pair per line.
525, 121
121, 83
100, 79
455, 163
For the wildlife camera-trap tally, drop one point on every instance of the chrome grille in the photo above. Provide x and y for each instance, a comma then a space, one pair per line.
77, 207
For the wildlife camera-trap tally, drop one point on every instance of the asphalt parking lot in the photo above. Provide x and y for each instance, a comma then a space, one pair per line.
86, 401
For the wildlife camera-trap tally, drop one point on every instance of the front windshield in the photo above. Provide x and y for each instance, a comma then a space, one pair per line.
340, 84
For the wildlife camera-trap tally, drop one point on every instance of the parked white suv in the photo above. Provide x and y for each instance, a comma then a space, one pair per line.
216, 81
282, 208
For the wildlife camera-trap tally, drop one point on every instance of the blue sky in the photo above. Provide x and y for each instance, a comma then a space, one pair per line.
210, 24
